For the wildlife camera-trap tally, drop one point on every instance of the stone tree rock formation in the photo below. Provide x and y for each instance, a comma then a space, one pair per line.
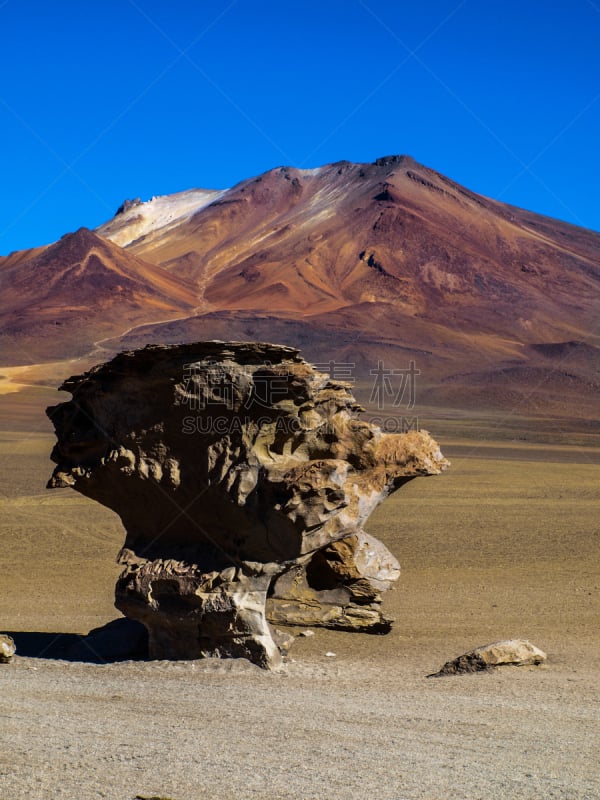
238, 471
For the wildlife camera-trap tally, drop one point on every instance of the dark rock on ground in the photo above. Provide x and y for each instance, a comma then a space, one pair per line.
514, 652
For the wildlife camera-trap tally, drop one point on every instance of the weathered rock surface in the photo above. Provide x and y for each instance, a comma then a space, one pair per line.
7, 648
515, 652
340, 587
230, 465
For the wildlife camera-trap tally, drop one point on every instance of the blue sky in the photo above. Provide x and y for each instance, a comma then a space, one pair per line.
126, 98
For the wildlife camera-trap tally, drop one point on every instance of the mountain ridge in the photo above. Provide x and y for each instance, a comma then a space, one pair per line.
352, 261
76, 284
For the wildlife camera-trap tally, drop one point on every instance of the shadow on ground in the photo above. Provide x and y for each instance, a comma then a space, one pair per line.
120, 640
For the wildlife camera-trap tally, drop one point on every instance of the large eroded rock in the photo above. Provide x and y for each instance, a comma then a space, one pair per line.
238, 471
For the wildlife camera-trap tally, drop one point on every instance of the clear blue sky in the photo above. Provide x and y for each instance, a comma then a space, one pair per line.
126, 98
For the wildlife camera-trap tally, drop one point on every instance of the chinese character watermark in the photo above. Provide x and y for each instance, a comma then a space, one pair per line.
401, 384
228, 401
204, 386
268, 388
338, 370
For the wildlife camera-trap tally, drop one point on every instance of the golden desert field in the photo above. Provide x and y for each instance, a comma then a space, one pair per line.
505, 544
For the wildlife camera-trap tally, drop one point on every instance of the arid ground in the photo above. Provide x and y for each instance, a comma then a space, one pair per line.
505, 544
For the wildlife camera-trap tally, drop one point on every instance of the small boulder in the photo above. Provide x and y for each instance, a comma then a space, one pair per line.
148, 797
514, 652
7, 648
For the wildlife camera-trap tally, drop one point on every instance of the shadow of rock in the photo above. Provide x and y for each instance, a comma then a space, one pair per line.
120, 640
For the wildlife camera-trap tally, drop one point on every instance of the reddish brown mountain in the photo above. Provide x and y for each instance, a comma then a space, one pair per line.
393, 232
356, 262
361, 263
56, 301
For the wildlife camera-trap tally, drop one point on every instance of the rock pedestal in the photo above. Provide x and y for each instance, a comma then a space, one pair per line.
239, 472
340, 587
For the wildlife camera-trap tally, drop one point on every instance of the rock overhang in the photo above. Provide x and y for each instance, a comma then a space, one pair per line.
232, 465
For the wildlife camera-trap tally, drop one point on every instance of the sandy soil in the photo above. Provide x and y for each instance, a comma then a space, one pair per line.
506, 544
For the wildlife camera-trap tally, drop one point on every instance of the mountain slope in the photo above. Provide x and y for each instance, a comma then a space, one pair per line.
301, 242
354, 263
351, 261
57, 301
151, 220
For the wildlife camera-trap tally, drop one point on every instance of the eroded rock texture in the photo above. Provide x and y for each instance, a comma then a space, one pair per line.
7, 648
340, 587
512, 652
238, 471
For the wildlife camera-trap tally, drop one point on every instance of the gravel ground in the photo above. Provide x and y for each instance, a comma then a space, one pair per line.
329, 728
506, 544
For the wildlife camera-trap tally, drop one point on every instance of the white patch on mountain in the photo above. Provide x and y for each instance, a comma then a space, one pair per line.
138, 220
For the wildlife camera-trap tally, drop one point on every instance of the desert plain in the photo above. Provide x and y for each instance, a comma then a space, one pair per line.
505, 544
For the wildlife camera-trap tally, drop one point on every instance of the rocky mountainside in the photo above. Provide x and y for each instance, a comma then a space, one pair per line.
55, 302
152, 220
392, 233
357, 264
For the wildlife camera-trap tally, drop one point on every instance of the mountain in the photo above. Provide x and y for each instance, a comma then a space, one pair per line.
57, 301
354, 262
390, 262
393, 232
152, 220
